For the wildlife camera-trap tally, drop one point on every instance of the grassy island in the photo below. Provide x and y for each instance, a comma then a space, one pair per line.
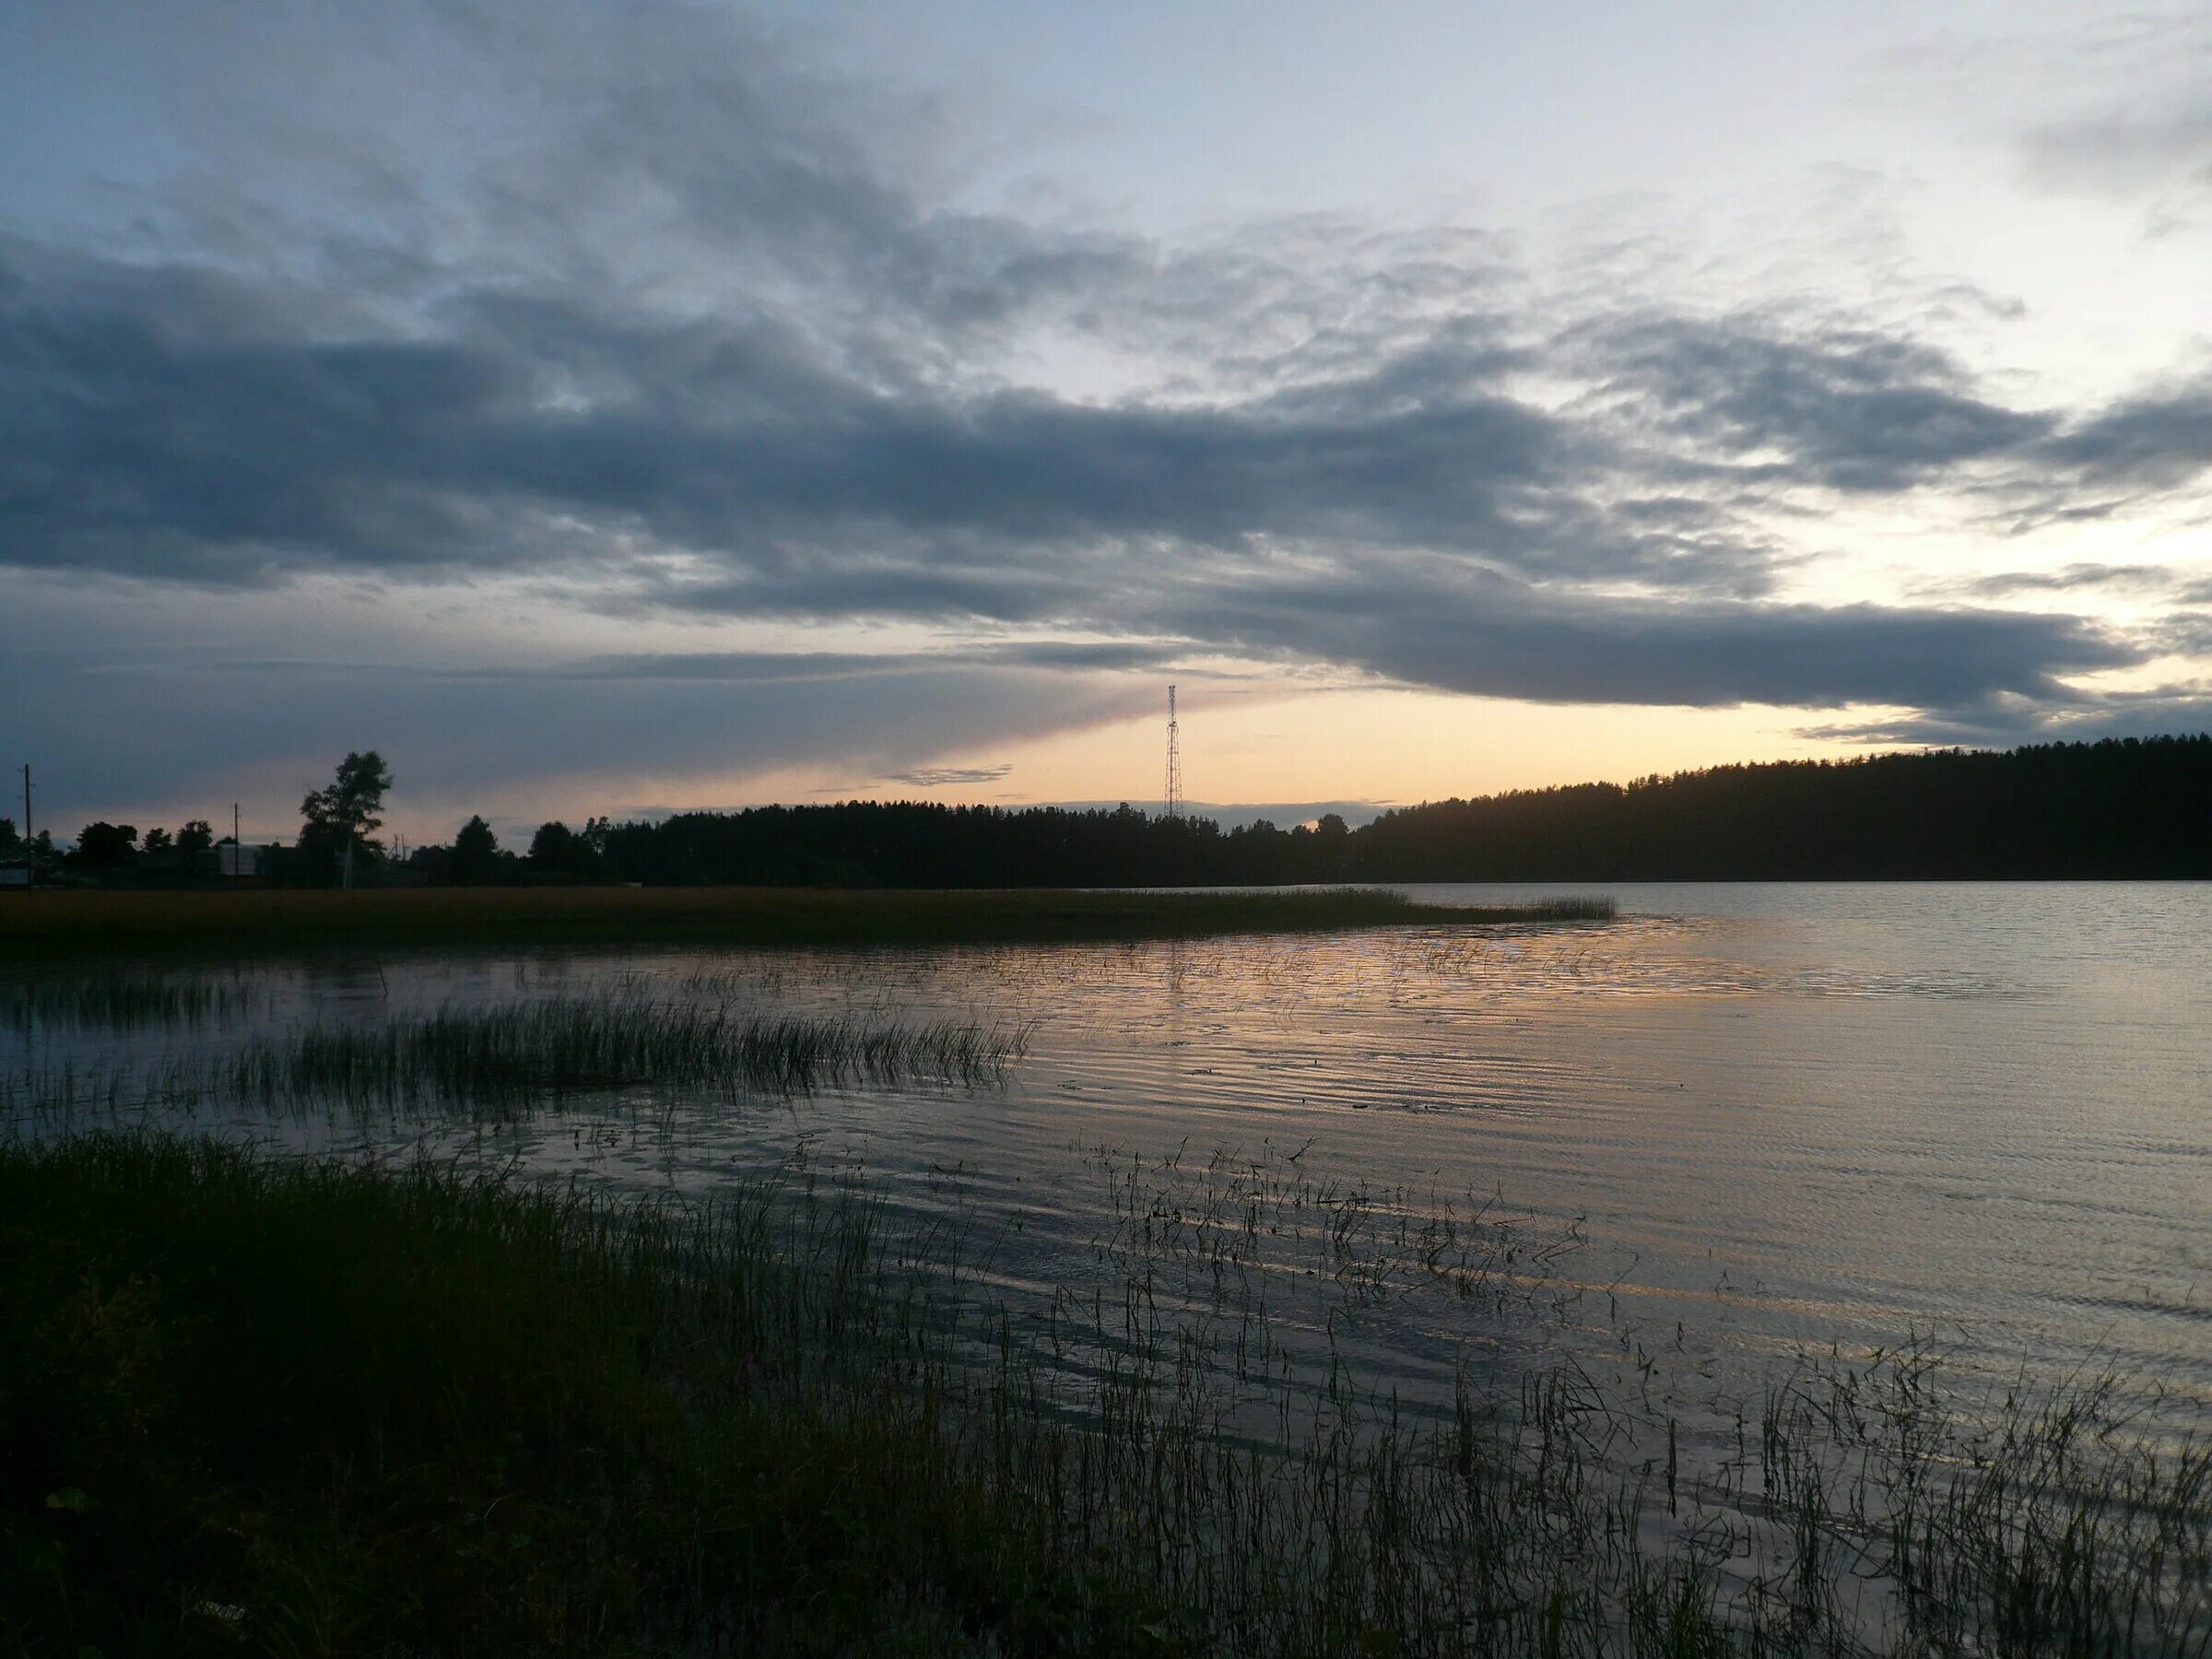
235, 923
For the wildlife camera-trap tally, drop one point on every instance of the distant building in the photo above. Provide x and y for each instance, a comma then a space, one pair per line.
15, 873
171, 865
237, 865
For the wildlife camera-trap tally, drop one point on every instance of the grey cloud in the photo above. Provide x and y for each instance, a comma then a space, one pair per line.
2121, 152
2161, 440
130, 735
1100, 654
2074, 578
1502, 642
552, 432
1394, 521
1832, 406
940, 777
724, 668
764, 667
2184, 633
2004, 721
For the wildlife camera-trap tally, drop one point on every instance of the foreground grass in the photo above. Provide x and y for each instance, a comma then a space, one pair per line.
307, 1408
228, 924
311, 1408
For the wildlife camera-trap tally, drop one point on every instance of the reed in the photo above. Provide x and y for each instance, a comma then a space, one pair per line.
1574, 907
501, 1060
414, 1407
124, 999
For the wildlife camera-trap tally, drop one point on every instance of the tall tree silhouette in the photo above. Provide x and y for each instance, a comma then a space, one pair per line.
335, 839
475, 853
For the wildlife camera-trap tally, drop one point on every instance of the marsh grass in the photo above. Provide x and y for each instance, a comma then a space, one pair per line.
1574, 907
489, 1057
124, 999
502, 1059
414, 1409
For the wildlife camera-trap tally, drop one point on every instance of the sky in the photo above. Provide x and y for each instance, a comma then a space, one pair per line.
613, 408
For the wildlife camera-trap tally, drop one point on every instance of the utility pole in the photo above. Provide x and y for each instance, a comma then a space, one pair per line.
237, 847
27, 803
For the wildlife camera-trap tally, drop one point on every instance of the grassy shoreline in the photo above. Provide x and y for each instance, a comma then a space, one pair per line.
219, 925
301, 1406
248, 1404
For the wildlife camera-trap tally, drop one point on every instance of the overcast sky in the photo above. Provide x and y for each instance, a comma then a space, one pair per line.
614, 407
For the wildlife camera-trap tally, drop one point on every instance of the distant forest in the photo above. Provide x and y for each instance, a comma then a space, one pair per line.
2125, 808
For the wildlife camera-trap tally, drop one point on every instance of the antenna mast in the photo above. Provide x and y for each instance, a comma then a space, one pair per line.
1174, 762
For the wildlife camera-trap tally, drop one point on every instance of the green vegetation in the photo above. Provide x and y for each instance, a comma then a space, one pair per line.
228, 925
299, 1408
306, 1407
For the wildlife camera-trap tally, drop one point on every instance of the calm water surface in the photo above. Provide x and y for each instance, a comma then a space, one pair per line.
1768, 1118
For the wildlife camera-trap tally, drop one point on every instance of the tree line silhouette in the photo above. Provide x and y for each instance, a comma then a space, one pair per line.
2122, 808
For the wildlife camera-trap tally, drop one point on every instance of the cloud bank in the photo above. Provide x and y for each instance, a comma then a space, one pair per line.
701, 336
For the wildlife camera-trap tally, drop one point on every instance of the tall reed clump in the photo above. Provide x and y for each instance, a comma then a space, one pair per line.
504, 1057
124, 1000
498, 1055
316, 1407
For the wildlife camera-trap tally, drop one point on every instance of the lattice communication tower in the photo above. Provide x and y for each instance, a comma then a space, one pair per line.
1174, 762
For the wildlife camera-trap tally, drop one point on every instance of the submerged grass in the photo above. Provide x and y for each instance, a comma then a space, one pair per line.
307, 1407
88, 923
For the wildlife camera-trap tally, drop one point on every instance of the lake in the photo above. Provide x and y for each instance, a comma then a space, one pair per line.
1739, 1123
